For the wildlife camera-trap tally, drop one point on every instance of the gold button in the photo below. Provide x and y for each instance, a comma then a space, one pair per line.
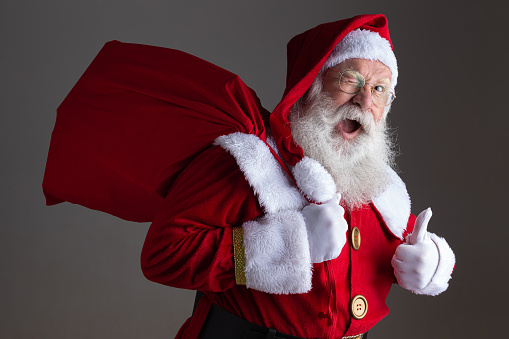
359, 307
356, 238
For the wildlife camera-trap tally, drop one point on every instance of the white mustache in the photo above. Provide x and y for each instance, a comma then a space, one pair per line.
333, 115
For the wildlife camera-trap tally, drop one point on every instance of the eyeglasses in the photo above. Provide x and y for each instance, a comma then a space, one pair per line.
351, 82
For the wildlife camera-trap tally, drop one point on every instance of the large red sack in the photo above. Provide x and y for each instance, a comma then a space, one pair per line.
135, 119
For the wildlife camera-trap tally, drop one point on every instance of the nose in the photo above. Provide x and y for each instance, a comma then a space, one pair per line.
363, 98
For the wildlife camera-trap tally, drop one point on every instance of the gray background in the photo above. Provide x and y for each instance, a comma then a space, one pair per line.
69, 272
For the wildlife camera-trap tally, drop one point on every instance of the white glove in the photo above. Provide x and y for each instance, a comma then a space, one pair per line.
416, 262
326, 227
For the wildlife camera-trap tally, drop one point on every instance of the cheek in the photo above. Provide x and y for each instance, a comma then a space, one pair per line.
331, 89
377, 113
342, 99
339, 97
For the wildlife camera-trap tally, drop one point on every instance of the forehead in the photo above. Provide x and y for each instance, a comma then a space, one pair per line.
370, 69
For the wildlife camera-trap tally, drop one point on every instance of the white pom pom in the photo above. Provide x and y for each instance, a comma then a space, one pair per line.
314, 180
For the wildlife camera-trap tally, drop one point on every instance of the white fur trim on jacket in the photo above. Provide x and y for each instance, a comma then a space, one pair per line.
274, 189
277, 254
394, 205
446, 262
364, 44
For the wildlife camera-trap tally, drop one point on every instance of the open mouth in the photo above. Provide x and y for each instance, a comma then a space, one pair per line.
349, 128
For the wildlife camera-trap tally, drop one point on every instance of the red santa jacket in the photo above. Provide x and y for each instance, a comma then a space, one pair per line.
190, 245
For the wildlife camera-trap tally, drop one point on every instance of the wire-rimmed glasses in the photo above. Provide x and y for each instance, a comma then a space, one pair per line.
351, 82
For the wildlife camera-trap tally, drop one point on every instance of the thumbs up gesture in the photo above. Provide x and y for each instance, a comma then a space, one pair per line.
326, 228
416, 261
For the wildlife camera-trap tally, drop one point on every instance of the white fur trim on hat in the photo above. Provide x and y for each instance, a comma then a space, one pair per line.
364, 44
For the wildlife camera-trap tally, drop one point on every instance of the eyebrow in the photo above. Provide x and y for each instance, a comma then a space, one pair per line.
385, 80
378, 82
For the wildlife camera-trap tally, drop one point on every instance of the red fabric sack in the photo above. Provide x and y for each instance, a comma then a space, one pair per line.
135, 119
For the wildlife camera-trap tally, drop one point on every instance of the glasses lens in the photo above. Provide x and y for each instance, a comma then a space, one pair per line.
380, 94
390, 99
351, 82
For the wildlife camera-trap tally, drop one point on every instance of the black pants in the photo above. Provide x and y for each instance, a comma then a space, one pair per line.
225, 325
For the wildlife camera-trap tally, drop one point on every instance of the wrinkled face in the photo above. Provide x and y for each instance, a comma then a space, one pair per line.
374, 73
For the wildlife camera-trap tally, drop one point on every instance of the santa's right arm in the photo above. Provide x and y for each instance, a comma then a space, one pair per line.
220, 227
190, 244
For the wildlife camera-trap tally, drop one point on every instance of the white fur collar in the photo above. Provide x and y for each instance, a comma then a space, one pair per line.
277, 192
394, 205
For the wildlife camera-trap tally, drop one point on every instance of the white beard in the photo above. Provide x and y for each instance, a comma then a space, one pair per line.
358, 166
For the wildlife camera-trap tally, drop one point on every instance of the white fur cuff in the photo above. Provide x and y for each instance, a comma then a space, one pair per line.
277, 254
447, 260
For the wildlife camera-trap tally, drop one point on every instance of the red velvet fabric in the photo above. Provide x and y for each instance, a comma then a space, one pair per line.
132, 123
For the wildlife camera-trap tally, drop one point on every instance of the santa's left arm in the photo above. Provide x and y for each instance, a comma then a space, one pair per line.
424, 263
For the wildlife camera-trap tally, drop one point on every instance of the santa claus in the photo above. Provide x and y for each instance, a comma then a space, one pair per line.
302, 234
295, 226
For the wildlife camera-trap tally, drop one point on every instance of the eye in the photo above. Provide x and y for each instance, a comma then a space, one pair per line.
352, 77
351, 82
379, 89
358, 79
